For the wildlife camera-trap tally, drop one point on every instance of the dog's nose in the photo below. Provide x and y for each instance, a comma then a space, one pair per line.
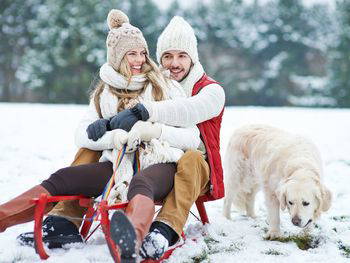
296, 221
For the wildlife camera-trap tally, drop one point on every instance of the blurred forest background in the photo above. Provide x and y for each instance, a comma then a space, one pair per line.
268, 53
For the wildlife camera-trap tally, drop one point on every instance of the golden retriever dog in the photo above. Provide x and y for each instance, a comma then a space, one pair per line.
287, 167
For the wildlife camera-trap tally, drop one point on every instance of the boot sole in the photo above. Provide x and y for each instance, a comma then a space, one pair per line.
124, 236
27, 239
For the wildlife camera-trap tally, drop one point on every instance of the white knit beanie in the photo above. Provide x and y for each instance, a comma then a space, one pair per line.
178, 35
121, 38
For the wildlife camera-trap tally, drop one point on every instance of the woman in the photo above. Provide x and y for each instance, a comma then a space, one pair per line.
129, 77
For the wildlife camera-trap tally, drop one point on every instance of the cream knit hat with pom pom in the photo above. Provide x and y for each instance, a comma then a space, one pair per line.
121, 38
178, 35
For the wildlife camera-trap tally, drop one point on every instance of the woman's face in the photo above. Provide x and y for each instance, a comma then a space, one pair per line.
136, 57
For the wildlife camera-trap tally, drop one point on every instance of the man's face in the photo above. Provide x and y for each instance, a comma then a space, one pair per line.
178, 62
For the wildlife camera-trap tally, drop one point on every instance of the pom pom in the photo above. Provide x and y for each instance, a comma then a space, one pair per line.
116, 18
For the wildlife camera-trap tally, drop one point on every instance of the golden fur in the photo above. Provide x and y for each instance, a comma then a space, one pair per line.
287, 167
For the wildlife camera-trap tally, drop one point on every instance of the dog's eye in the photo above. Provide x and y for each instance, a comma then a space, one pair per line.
305, 203
291, 203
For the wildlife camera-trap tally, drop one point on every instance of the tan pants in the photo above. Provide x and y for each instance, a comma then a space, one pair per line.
191, 181
71, 209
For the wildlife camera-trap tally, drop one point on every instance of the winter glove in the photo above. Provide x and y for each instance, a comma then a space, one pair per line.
97, 129
120, 138
142, 131
127, 118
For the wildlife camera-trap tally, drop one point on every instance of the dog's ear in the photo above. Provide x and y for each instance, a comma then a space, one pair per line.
281, 195
319, 199
326, 198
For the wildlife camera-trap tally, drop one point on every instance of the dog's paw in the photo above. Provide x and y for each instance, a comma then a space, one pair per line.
252, 215
272, 234
227, 215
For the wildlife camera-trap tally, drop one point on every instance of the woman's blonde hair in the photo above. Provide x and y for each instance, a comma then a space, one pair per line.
153, 76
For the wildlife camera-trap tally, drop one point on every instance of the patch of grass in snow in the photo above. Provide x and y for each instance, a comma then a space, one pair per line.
200, 258
209, 240
215, 247
234, 247
273, 252
342, 218
345, 249
304, 242
265, 229
223, 234
17, 258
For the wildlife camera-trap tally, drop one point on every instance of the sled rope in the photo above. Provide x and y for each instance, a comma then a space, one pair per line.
110, 184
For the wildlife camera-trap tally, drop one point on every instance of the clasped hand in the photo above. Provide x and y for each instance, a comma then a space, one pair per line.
142, 131
124, 120
129, 127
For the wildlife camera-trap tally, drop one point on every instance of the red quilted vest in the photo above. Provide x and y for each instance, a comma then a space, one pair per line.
210, 135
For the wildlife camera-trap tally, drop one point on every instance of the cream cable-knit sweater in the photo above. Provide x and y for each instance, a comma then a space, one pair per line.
168, 148
184, 112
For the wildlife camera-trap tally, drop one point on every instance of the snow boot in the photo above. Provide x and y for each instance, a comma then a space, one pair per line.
154, 245
20, 209
57, 232
157, 241
129, 229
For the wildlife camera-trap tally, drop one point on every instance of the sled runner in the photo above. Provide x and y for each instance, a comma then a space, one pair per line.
102, 212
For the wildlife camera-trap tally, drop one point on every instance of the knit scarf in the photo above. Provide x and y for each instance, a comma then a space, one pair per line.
196, 72
155, 151
115, 79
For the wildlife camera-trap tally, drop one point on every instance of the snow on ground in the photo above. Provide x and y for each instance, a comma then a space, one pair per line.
36, 140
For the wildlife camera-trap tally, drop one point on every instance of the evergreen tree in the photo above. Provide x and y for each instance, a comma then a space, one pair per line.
15, 40
69, 45
258, 50
217, 25
284, 44
174, 9
340, 57
263, 52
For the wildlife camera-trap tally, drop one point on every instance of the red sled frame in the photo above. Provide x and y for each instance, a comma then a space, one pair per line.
102, 210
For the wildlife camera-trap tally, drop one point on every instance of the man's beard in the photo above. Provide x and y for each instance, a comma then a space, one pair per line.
188, 72
185, 76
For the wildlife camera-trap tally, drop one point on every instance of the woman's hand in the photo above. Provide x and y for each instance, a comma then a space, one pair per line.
127, 118
97, 129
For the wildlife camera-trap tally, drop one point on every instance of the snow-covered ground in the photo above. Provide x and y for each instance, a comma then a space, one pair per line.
36, 140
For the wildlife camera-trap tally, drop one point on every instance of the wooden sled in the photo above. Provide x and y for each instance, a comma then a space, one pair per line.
102, 211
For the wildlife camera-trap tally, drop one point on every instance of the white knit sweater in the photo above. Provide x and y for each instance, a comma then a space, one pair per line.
184, 112
168, 148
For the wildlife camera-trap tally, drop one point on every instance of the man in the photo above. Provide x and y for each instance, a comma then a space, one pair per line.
177, 52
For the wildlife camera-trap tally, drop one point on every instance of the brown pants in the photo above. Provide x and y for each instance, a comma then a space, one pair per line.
191, 181
72, 209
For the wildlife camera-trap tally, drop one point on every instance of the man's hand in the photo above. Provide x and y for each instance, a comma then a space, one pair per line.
97, 129
142, 131
127, 118
120, 138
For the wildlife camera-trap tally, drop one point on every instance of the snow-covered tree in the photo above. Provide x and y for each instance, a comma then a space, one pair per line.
340, 57
69, 45
15, 40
